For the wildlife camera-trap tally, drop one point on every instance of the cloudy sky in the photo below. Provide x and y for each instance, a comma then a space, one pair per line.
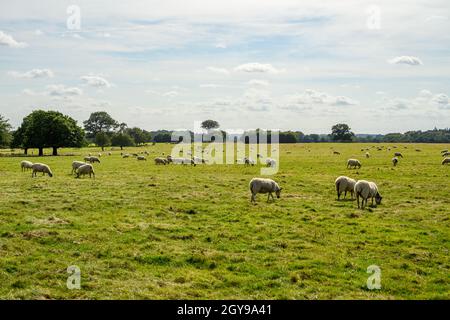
380, 66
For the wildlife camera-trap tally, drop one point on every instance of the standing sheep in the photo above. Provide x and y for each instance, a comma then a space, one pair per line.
260, 185
91, 159
446, 160
271, 162
365, 190
161, 161
76, 165
394, 161
446, 154
398, 154
25, 165
367, 155
85, 169
40, 167
353, 163
344, 184
142, 158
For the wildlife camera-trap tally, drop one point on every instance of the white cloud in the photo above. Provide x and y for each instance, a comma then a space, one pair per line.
171, 94
33, 74
441, 99
210, 85
258, 83
409, 60
59, 90
218, 70
96, 81
221, 45
313, 97
7, 40
255, 67
38, 32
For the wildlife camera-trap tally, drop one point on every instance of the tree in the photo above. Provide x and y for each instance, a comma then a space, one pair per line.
5, 132
210, 124
140, 136
102, 140
163, 137
122, 140
341, 132
99, 122
48, 129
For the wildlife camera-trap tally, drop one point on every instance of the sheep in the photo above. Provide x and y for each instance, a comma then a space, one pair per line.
367, 155
25, 165
249, 162
336, 152
344, 184
126, 155
141, 158
446, 154
353, 163
85, 169
444, 151
271, 162
260, 185
40, 167
418, 150
109, 154
76, 165
91, 159
365, 190
146, 153
134, 154
180, 160
161, 161
198, 160
394, 161
99, 155
398, 154
446, 160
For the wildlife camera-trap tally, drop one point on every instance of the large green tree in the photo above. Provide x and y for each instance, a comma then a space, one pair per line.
99, 121
5, 132
140, 136
122, 140
48, 129
341, 132
210, 124
102, 140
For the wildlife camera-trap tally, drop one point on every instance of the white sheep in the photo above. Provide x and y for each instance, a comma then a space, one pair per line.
444, 151
344, 184
25, 165
446, 154
76, 165
353, 163
85, 169
126, 155
365, 190
398, 154
249, 161
40, 167
183, 161
198, 160
446, 160
141, 158
91, 159
271, 162
367, 155
161, 161
394, 161
260, 185
99, 155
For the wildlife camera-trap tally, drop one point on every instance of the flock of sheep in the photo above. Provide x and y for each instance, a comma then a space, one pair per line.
361, 189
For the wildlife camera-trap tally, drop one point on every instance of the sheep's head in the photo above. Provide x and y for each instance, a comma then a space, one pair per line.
378, 198
50, 174
278, 192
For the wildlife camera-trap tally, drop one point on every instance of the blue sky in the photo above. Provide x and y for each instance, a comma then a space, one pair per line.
379, 66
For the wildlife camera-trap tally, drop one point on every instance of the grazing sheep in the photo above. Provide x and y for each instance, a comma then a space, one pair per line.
344, 184
91, 159
134, 154
99, 155
446, 154
85, 169
126, 155
183, 161
398, 154
25, 165
394, 161
76, 165
271, 162
365, 190
418, 150
161, 161
141, 158
367, 155
353, 163
444, 151
146, 153
260, 185
336, 152
249, 162
446, 160
40, 167
109, 154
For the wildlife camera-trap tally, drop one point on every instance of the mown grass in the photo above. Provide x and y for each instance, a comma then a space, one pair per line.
141, 231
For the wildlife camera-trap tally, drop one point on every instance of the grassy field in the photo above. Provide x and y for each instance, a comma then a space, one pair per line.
141, 231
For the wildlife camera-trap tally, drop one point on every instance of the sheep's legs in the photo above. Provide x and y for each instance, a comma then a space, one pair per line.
357, 199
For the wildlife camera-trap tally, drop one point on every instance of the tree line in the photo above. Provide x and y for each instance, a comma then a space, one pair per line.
52, 129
